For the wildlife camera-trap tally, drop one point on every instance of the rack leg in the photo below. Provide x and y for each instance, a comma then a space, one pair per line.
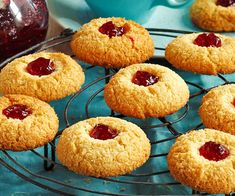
107, 72
49, 166
194, 192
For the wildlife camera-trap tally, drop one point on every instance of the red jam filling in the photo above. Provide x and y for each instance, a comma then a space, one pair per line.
103, 132
112, 30
144, 78
226, 3
234, 102
207, 40
17, 111
213, 151
40, 67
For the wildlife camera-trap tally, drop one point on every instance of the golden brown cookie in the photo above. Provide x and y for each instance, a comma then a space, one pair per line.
47, 76
26, 123
217, 110
103, 146
184, 54
165, 94
204, 160
112, 42
209, 15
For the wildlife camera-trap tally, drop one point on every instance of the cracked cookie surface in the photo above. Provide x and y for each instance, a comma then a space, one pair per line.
37, 129
182, 53
91, 46
85, 155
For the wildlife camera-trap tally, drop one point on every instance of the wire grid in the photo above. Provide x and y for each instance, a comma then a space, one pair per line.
49, 150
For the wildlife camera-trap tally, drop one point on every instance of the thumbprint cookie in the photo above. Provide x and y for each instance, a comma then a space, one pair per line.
217, 110
204, 160
103, 146
47, 76
204, 53
214, 15
26, 123
112, 42
146, 90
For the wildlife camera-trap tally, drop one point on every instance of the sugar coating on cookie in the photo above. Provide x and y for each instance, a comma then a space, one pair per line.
217, 110
112, 42
47, 76
188, 165
78, 150
26, 123
209, 15
166, 95
184, 54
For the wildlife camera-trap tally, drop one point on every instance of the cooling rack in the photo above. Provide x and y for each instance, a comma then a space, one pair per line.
158, 179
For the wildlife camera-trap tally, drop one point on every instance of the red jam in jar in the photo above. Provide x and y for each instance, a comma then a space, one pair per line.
23, 23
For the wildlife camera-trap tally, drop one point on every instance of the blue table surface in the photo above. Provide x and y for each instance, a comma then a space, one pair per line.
10, 184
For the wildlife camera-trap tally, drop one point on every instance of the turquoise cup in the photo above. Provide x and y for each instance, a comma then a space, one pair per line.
137, 10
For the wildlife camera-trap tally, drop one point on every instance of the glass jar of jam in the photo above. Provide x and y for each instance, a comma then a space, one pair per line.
23, 23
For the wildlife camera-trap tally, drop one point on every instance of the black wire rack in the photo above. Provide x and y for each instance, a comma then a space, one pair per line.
143, 179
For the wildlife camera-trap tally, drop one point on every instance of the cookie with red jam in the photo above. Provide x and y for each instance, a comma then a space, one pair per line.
214, 15
102, 147
26, 123
47, 76
203, 53
146, 90
112, 43
217, 109
204, 160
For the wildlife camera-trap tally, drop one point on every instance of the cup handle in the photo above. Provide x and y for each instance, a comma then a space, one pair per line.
176, 3
170, 3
